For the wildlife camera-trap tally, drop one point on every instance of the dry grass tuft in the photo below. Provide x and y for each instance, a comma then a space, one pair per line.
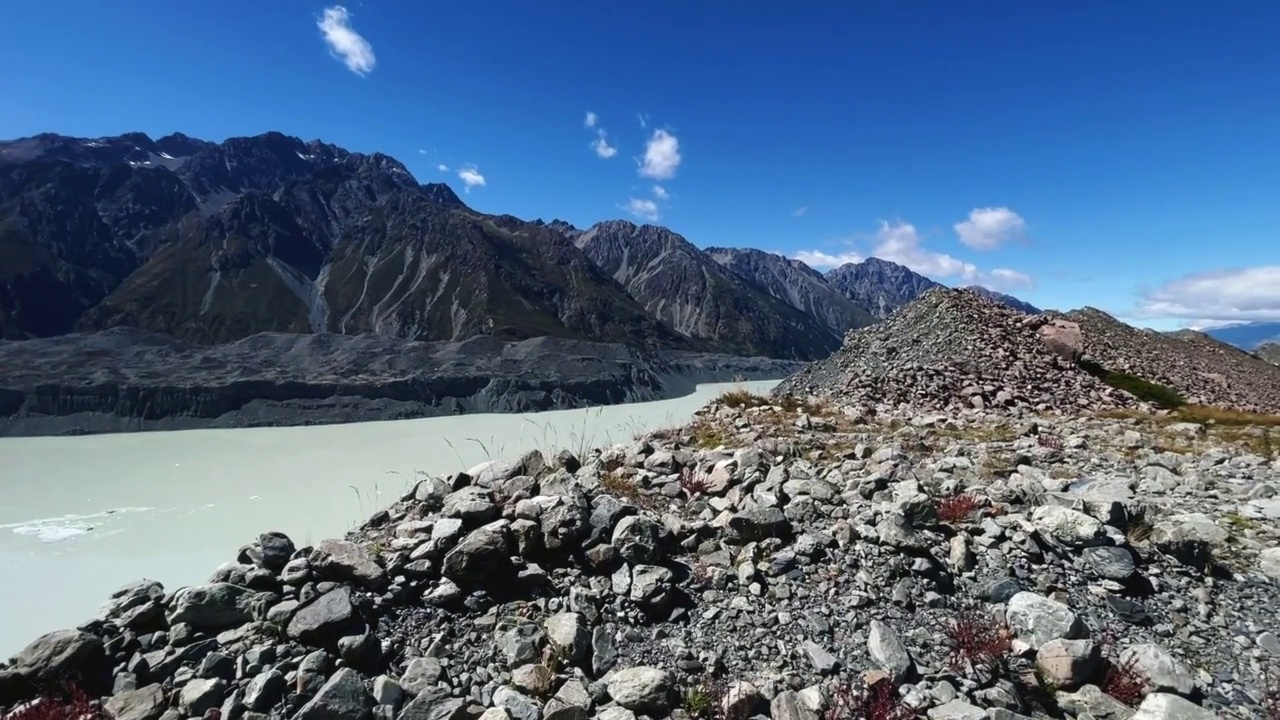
1224, 416
706, 433
743, 399
614, 483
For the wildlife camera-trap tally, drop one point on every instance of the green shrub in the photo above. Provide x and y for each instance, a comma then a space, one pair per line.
1141, 388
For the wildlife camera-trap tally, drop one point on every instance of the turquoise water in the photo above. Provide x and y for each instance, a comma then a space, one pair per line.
82, 516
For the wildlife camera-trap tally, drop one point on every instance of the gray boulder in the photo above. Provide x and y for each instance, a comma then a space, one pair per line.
145, 703
644, 690
346, 561
483, 552
62, 654
212, 607
1037, 619
342, 697
325, 620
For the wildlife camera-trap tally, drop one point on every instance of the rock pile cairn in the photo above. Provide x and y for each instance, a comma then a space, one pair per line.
955, 349
761, 562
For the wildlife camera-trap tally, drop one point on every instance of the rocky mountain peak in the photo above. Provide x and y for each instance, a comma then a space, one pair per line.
564, 228
691, 292
879, 285
796, 284
178, 145
442, 194
1011, 301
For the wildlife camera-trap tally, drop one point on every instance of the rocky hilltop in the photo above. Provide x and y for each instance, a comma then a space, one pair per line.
789, 561
126, 379
958, 349
1204, 370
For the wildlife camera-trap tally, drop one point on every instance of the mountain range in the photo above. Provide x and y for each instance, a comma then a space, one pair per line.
1249, 335
215, 242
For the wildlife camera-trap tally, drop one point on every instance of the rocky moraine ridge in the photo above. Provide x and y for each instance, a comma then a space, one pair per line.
957, 349
787, 559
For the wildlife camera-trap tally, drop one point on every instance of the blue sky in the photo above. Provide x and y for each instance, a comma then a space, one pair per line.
1113, 154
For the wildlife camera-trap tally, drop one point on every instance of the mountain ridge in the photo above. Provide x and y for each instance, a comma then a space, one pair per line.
213, 242
268, 233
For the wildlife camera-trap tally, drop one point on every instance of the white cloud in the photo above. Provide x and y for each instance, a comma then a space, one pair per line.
820, 259
800, 211
442, 167
1006, 280
900, 242
1251, 293
660, 192
590, 120
661, 156
470, 178
989, 228
423, 152
643, 209
602, 147
644, 120
344, 42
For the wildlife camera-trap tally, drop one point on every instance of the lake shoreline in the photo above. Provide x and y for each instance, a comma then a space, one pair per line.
81, 516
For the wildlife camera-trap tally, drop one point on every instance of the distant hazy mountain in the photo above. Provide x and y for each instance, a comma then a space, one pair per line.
1269, 351
689, 291
878, 285
796, 284
1246, 335
1009, 300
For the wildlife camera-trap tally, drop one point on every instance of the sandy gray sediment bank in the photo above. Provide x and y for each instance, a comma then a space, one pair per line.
125, 380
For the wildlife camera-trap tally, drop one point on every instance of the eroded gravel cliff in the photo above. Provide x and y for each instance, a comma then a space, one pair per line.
125, 380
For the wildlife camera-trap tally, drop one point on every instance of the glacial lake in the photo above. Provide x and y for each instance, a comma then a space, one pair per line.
82, 516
